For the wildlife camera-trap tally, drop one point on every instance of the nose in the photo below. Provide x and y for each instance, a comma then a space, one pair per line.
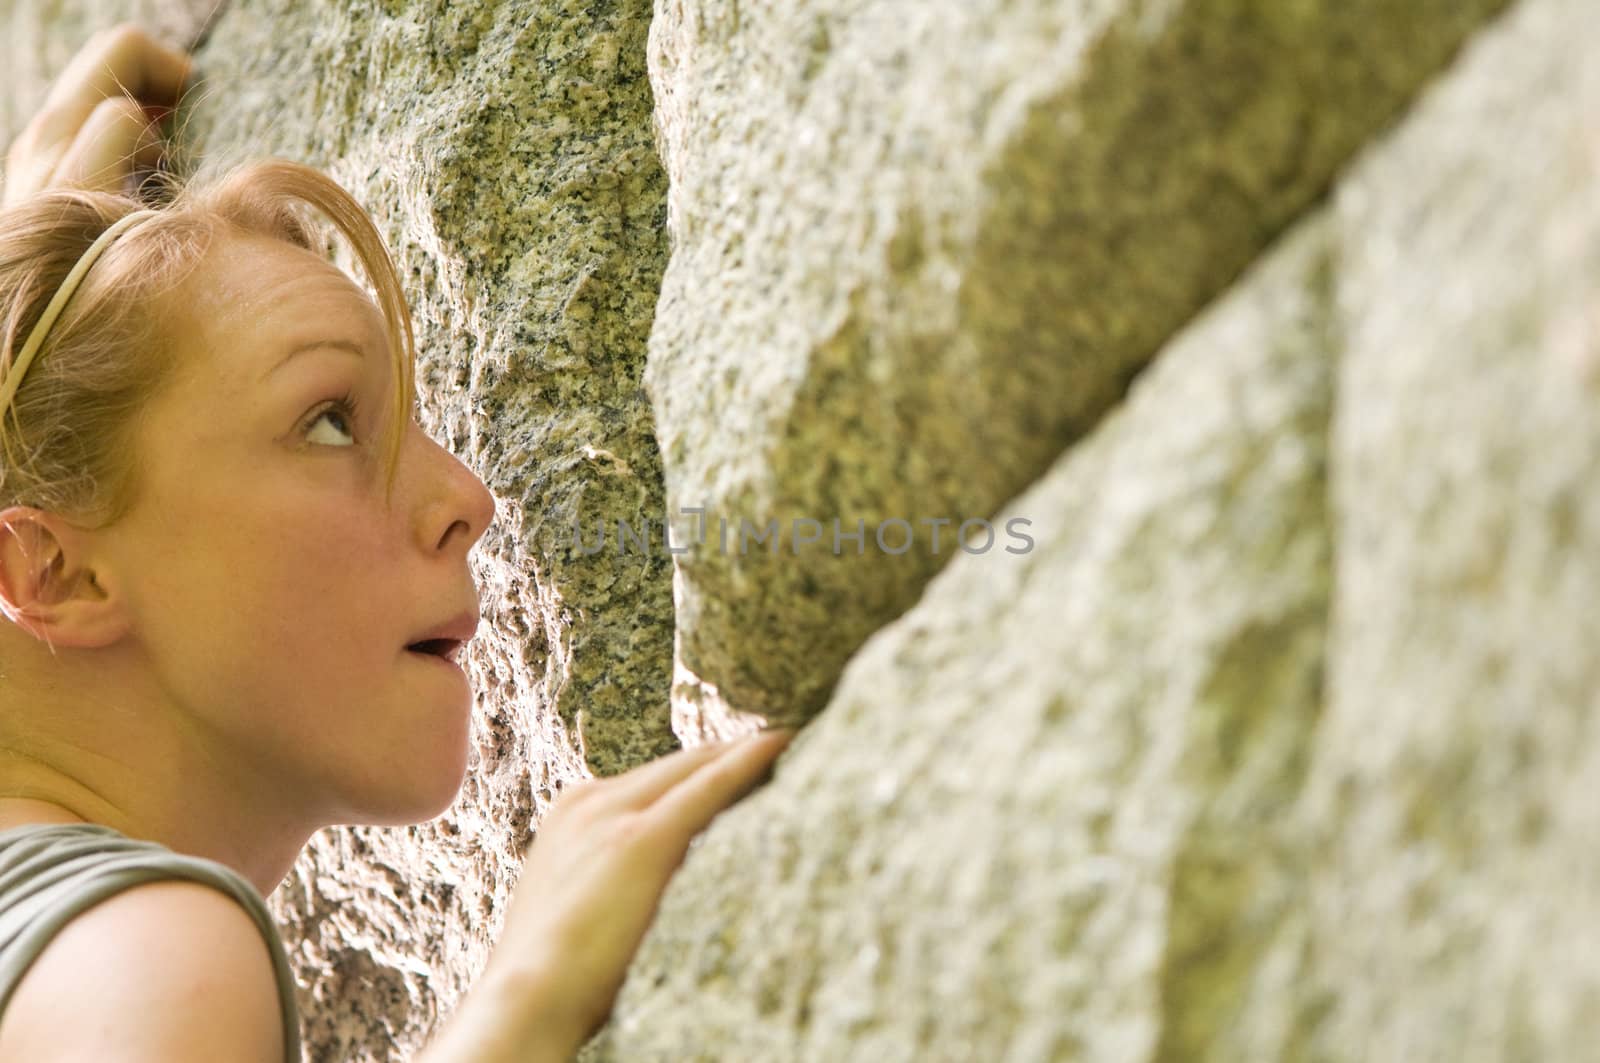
456, 507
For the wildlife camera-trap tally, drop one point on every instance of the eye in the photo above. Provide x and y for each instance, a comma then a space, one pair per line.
343, 408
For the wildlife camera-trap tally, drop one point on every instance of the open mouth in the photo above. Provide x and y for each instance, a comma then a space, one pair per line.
445, 648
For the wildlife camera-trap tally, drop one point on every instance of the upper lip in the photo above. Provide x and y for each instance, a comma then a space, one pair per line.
458, 629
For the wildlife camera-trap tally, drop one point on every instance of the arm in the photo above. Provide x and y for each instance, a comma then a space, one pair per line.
170, 971
504, 1021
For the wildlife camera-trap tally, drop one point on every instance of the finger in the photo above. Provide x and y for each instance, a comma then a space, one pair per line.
107, 148
642, 785
123, 60
117, 62
692, 804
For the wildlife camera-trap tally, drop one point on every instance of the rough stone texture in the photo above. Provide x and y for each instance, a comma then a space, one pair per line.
505, 152
1247, 760
1029, 784
919, 247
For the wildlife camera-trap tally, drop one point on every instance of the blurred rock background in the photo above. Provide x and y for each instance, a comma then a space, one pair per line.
1257, 344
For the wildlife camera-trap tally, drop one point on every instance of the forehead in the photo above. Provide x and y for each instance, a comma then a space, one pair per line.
253, 298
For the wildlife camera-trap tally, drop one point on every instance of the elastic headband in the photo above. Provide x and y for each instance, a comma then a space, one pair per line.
19, 366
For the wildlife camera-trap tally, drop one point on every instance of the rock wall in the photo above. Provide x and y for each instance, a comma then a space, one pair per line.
1266, 732
1084, 738
920, 247
1281, 744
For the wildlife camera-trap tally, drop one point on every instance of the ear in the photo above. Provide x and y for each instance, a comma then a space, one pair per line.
47, 587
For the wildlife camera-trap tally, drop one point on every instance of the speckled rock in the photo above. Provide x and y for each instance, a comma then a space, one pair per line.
919, 246
1282, 743
1020, 788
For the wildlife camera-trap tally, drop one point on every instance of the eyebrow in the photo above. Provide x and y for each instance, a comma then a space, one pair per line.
311, 345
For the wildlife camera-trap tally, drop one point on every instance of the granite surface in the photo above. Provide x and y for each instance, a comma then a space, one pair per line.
1452, 795
921, 246
1013, 818
1281, 744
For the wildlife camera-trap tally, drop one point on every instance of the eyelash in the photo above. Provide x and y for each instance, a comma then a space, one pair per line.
346, 404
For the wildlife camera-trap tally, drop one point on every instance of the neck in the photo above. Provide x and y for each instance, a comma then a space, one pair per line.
196, 804
263, 859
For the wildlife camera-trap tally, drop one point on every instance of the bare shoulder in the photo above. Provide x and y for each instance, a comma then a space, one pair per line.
170, 970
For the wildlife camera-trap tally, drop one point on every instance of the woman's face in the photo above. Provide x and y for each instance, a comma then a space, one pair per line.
275, 590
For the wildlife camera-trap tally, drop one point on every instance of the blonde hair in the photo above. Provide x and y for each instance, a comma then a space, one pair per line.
67, 440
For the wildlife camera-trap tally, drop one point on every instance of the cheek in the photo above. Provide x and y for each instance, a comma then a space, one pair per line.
340, 624
285, 602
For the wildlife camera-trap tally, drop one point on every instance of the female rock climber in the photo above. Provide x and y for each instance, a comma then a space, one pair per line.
223, 540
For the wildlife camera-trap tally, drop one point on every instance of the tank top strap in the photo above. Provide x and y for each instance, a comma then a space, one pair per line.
51, 873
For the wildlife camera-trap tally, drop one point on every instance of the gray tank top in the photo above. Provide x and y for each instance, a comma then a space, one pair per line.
52, 872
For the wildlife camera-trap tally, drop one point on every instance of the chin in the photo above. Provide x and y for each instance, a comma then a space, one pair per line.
434, 802
426, 792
